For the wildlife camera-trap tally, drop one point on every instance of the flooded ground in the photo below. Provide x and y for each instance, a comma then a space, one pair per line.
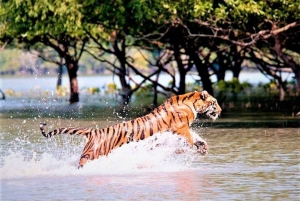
242, 164
252, 156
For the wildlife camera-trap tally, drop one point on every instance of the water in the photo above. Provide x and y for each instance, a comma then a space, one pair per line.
242, 164
101, 81
254, 158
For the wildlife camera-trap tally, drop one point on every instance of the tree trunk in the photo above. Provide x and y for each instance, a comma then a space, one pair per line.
297, 76
120, 53
281, 93
74, 91
236, 69
181, 88
223, 66
59, 79
287, 60
181, 69
155, 92
203, 73
125, 94
126, 89
237, 65
3, 95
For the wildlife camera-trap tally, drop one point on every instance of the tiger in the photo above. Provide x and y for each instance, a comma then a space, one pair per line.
175, 115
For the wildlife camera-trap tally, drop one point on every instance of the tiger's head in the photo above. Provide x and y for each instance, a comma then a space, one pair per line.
207, 105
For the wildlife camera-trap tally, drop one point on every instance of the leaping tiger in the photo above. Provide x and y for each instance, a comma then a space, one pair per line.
175, 115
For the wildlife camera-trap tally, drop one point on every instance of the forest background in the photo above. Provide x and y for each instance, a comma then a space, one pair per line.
150, 38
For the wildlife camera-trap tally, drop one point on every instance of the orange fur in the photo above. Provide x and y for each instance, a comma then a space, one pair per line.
175, 115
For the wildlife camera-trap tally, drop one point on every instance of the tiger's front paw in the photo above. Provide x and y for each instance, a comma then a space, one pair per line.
202, 147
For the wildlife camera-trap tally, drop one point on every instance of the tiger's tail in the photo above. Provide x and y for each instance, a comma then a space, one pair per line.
70, 131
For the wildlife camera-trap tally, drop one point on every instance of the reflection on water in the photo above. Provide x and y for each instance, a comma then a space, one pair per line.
242, 164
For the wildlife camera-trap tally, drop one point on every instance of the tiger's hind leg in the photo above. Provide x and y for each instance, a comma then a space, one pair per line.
87, 152
82, 161
85, 156
93, 148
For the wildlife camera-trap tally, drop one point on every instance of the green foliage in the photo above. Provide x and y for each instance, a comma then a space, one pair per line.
233, 86
39, 18
9, 59
195, 86
249, 10
94, 90
145, 91
135, 17
74, 20
111, 88
271, 88
61, 91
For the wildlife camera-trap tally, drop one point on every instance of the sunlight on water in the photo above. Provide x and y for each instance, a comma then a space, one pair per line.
155, 154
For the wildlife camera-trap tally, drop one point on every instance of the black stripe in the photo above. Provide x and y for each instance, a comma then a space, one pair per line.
162, 118
191, 95
125, 128
97, 134
137, 128
105, 141
164, 108
55, 132
120, 135
143, 131
158, 124
172, 113
151, 125
132, 130
88, 145
142, 134
112, 138
190, 109
194, 105
74, 131
117, 132
179, 116
188, 121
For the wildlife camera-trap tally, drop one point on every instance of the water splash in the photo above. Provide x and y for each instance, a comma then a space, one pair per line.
158, 153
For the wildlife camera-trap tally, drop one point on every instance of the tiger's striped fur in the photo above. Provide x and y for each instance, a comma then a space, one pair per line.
175, 115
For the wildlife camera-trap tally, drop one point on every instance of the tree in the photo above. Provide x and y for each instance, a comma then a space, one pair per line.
183, 29
56, 24
111, 26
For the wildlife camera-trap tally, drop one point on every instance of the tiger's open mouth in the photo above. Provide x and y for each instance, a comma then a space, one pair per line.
202, 147
212, 115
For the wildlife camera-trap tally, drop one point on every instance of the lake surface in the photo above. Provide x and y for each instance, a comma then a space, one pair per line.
242, 164
250, 157
29, 83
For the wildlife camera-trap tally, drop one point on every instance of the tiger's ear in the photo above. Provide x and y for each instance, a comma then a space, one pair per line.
204, 95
